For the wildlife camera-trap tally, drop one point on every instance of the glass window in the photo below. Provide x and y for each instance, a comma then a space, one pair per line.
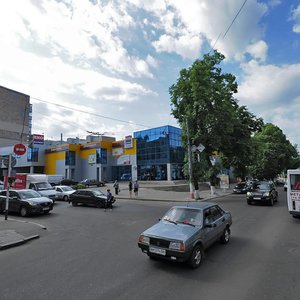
33, 154
101, 156
70, 158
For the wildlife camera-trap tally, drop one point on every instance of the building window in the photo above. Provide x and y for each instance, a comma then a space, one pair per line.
101, 156
33, 154
70, 158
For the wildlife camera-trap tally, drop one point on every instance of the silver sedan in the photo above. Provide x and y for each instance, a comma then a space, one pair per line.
63, 192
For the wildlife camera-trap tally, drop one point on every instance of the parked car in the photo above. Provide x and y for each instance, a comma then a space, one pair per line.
89, 197
63, 192
68, 182
262, 192
241, 188
26, 202
91, 182
185, 232
125, 177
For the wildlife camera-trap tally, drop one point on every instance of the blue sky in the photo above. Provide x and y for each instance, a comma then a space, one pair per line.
106, 66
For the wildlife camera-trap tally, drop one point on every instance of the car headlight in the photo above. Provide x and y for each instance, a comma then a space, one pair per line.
144, 239
176, 246
266, 194
249, 194
32, 203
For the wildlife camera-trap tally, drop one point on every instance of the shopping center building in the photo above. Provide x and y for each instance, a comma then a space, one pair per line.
152, 154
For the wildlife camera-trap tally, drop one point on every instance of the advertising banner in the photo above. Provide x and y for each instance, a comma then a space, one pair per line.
128, 142
224, 181
38, 139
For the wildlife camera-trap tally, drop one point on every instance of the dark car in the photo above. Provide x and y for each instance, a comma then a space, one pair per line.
26, 202
92, 182
185, 232
241, 188
68, 182
89, 197
262, 192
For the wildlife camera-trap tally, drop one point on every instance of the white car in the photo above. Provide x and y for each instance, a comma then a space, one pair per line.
63, 192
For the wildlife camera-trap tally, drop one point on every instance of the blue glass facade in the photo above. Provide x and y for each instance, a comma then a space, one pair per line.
160, 154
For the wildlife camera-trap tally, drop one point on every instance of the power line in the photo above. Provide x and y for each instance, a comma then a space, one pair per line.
89, 113
228, 26
234, 18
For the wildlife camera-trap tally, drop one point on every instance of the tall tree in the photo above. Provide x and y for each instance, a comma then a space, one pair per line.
203, 98
273, 153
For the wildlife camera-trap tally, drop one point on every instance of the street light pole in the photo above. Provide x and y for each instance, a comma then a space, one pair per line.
190, 160
7, 188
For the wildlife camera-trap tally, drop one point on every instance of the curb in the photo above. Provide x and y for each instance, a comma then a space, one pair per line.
18, 242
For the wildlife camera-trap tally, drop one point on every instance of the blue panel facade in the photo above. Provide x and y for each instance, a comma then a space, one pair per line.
160, 154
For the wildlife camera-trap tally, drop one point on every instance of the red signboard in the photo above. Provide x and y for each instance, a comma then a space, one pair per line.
20, 181
19, 149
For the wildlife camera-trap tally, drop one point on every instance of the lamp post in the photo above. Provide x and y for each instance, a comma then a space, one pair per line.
190, 160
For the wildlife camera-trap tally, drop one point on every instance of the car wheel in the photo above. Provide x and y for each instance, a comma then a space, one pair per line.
249, 202
271, 203
74, 203
196, 257
65, 198
24, 211
225, 236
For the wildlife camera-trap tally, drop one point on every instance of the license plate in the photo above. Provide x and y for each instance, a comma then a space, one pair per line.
45, 208
256, 198
157, 250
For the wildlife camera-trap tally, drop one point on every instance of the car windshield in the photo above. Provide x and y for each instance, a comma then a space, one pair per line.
98, 193
67, 188
29, 194
261, 186
44, 186
184, 215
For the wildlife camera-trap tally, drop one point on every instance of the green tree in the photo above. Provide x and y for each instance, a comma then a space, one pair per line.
202, 98
273, 153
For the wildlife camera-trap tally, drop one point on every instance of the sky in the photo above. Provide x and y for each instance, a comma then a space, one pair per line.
106, 66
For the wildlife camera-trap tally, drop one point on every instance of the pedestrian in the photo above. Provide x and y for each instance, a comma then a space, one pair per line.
116, 186
130, 188
136, 188
108, 202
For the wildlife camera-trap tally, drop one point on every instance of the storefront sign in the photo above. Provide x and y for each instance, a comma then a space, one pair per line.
57, 149
123, 160
90, 146
38, 139
128, 142
116, 152
92, 159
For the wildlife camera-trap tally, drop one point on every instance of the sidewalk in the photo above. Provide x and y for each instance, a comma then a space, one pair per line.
17, 232
151, 193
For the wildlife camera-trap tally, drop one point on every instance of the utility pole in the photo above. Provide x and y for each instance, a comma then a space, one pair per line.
190, 160
7, 188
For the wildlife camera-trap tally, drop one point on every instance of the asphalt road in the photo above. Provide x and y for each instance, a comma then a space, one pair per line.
87, 253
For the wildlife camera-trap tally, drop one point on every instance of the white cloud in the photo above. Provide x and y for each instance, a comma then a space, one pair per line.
295, 16
258, 50
186, 46
272, 92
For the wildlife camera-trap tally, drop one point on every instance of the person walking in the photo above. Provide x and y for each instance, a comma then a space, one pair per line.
136, 188
130, 188
108, 202
116, 186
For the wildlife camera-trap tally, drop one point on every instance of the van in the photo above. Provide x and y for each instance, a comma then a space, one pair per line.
293, 192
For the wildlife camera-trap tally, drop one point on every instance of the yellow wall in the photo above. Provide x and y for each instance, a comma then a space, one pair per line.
51, 159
